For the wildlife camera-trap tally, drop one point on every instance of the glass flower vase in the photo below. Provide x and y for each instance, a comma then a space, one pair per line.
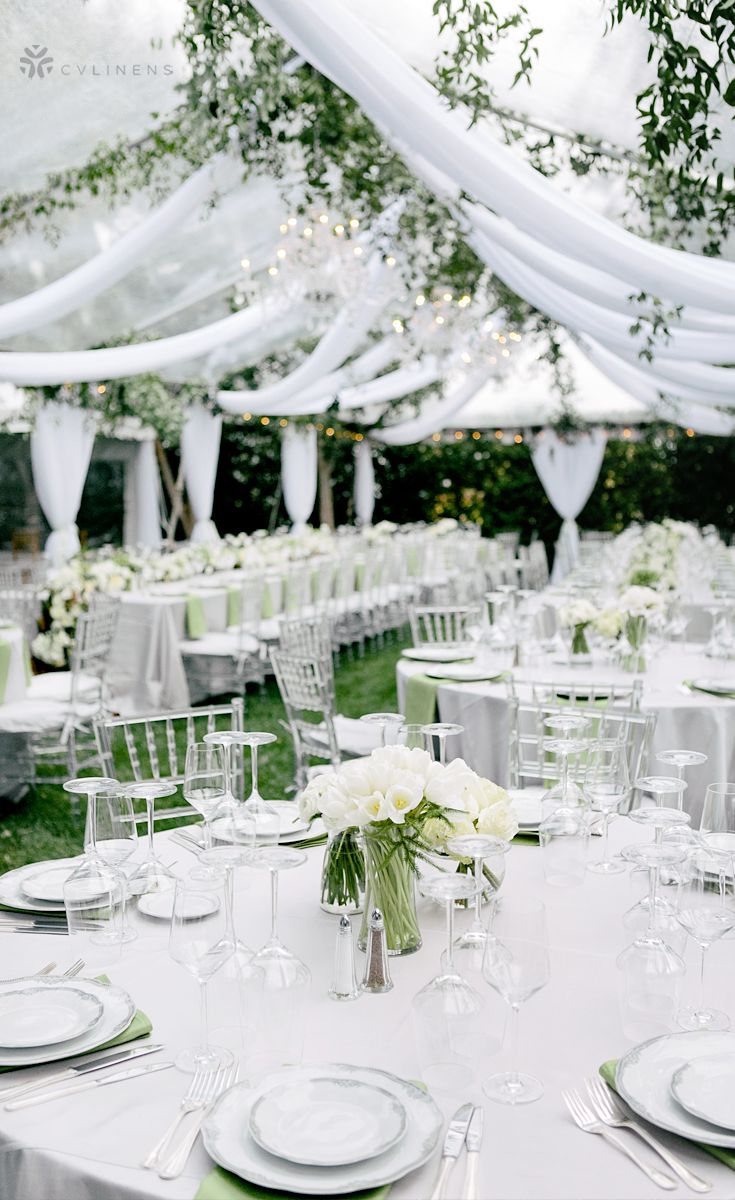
391, 887
343, 873
635, 630
579, 647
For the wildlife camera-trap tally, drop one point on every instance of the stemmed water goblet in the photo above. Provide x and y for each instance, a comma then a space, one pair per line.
439, 731
111, 834
707, 913
94, 892
205, 782
659, 787
681, 759
414, 737
482, 848
201, 940
88, 786
662, 820
606, 786
256, 821
388, 724
151, 875
516, 965
446, 1011
226, 738
567, 739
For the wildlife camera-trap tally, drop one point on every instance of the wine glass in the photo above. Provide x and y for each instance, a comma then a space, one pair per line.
658, 787
516, 965
607, 786
201, 940
681, 759
111, 834
662, 820
385, 722
205, 782
94, 900
286, 978
482, 848
88, 786
226, 738
445, 1011
151, 875
717, 825
441, 730
651, 971
567, 739
414, 737
706, 913
256, 822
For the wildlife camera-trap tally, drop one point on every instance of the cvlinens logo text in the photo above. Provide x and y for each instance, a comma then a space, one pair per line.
37, 62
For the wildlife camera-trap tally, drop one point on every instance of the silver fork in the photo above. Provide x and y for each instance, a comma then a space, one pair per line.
192, 1100
74, 969
611, 1112
221, 1080
584, 1118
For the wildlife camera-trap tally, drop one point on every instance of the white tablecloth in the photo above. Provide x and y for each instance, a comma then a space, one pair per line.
87, 1147
684, 719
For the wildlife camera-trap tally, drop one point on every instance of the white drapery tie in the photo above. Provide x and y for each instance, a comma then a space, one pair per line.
200, 442
568, 472
61, 447
364, 482
299, 472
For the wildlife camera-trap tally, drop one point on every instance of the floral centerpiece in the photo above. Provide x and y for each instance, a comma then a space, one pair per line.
406, 806
578, 616
637, 606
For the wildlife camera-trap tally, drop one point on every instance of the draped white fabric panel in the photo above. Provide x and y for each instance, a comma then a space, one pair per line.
433, 418
648, 379
409, 108
142, 498
364, 483
568, 472
200, 441
715, 383
61, 447
81, 285
299, 472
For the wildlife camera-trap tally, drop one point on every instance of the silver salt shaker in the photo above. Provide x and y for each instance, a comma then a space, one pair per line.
377, 974
344, 985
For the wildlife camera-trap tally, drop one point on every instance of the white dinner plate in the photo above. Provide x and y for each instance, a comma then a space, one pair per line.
327, 1122
463, 673
41, 1016
528, 809
706, 1089
292, 825
228, 1142
12, 895
645, 1074
440, 654
118, 1011
161, 905
48, 885
721, 687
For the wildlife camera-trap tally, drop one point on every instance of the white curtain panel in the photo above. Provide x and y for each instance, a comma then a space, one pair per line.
142, 498
568, 472
61, 447
79, 286
299, 472
364, 483
413, 114
200, 442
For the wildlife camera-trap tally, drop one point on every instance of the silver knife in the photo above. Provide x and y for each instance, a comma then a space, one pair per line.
474, 1143
453, 1143
57, 1093
95, 1062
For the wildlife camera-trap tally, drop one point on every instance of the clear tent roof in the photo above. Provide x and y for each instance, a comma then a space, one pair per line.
583, 83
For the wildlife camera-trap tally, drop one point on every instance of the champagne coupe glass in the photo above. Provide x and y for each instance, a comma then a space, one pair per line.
567, 739
441, 730
706, 913
482, 848
201, 940
111, 834
88, 786
516, 965
205, 782
650, 969
151, 875
681, 759
446, 1011
607, 786
259, 821
639, 916
388, 725
286, 979
659, 788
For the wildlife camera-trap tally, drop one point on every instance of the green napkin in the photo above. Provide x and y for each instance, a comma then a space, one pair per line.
421, 694
139, 1027
527, 835
266, 604
359, 575
27, 668
221, 1185
234, 597
695, 687
196, 622
412, 560
5, 650
607, 1070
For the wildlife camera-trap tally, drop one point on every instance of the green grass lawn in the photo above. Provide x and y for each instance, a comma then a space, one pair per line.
42, 826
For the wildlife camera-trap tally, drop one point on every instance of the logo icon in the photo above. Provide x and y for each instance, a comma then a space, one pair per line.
36, 60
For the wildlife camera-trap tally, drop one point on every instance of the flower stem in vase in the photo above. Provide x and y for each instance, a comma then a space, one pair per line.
390, 880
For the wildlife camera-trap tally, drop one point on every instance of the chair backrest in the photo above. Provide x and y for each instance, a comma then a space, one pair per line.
303, 681
594, 697
136, 749
529, 760
308, 637
94, 635
22, 605
448, 624
15, 575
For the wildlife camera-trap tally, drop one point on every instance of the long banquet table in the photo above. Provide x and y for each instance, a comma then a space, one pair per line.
87, 1147
684, 718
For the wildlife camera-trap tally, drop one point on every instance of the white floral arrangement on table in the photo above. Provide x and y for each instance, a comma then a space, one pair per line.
407, 806
578, 615
640, 602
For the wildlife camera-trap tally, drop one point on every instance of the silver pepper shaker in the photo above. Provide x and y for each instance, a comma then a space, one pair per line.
344, 985
377, 974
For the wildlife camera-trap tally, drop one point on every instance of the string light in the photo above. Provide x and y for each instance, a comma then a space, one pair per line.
690, 433
502, 339
359, 437
247, 416
476, 435
319, 426
466, 358
447, 297
101, 389
354, 223
283, 422
308, 232
397, 325
487, 327
273, 270
458, 435
265, 420
291, 221
439, 320
390, 261
323, 218
505, 353
464, 301
518, 439
245, 264
339, 230
283, 228
627, 432
495, 336
420, 300
436, 437
280, 253
357, 251
499, 434
514, 337
329, 431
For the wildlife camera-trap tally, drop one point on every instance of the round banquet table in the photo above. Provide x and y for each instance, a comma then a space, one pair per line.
87, 1147
684, 719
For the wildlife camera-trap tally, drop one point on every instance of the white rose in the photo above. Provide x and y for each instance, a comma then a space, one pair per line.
499, 820
609, 622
